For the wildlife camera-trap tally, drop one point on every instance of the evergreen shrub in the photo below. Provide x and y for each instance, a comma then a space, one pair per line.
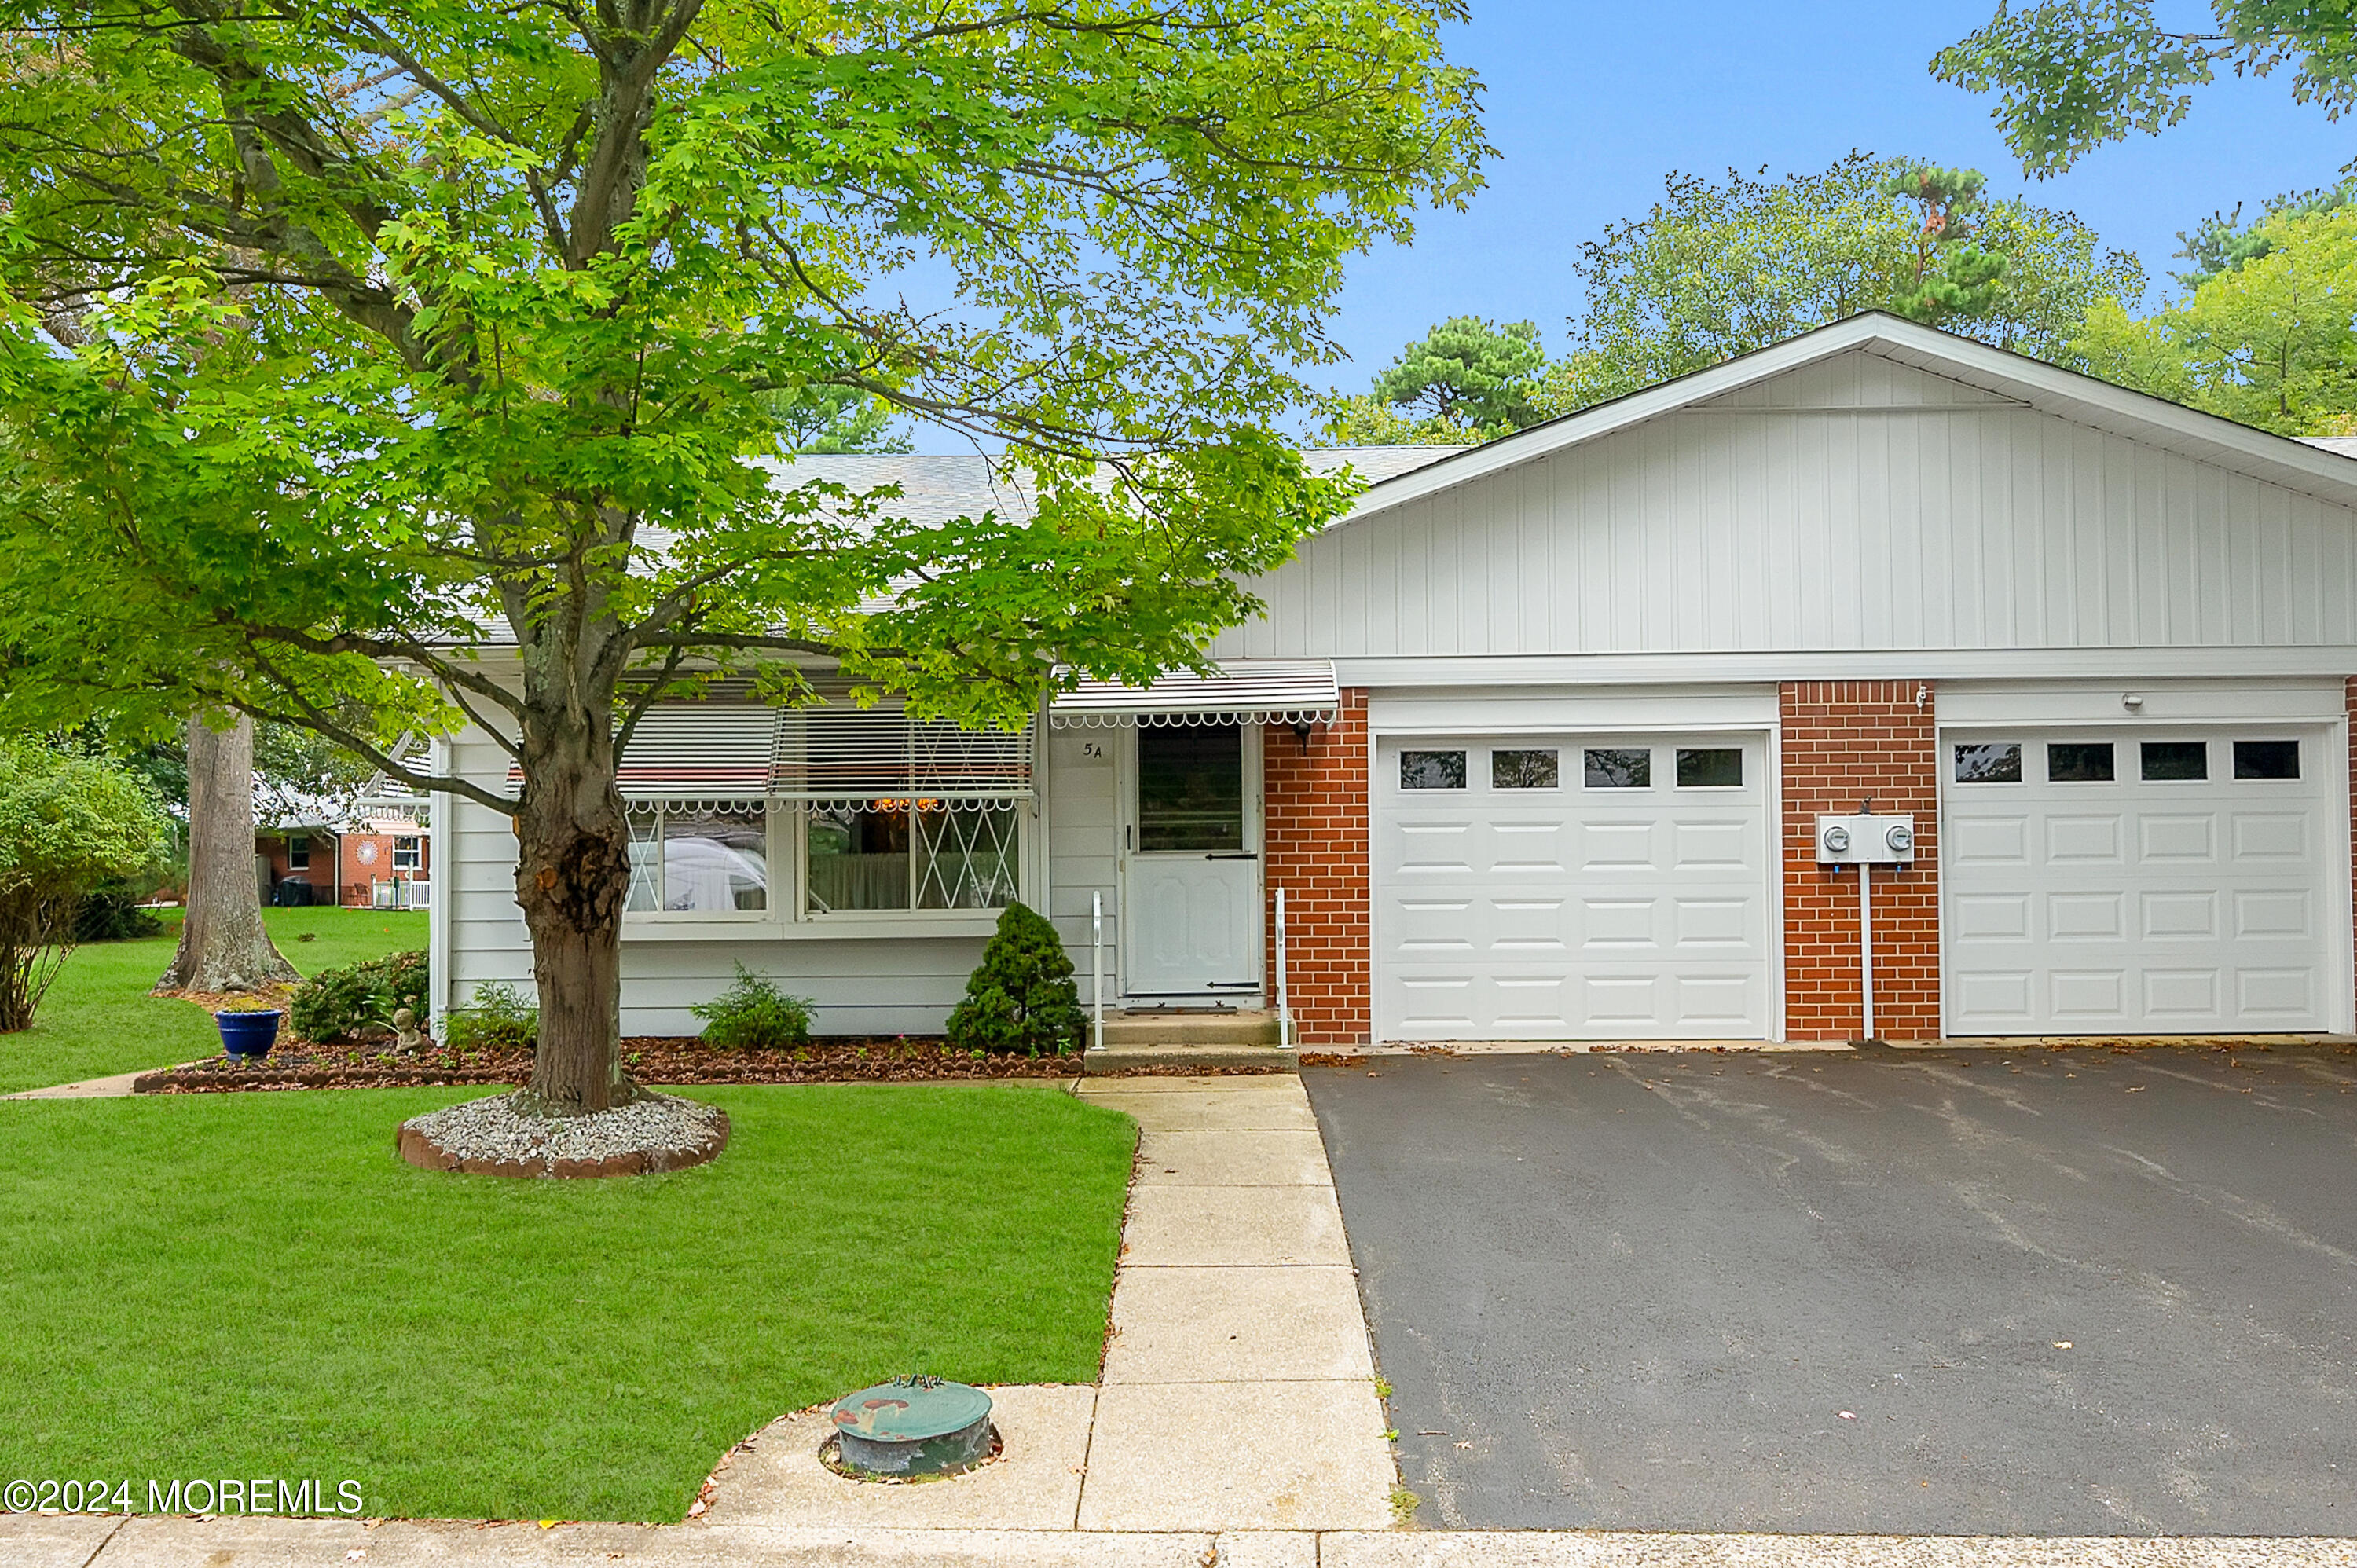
1021, 998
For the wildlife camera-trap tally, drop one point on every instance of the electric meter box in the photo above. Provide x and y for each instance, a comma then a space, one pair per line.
1886, 840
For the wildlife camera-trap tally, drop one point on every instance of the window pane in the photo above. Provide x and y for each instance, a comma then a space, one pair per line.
858, 859
2177, 759
645, 895
1432, 770
1190, 787
1994, 763
1522, 770
715, 863
1710, 768
2266, 759
967, 856
2076, 762
1625, 769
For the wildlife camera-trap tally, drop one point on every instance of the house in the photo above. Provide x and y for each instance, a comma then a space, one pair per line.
1534, 742
381, 863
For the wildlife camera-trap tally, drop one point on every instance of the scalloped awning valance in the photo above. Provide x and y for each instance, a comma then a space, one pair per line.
1250, 691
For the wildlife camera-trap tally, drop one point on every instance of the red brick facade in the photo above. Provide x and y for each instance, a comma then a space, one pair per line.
1845, 740
1314, 836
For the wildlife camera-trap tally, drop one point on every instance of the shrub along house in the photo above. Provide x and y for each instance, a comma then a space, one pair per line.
1534, 742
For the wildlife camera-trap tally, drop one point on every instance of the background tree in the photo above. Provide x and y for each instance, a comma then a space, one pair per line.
68, 824
1718, 269
2072, 75
2270, 342
2223, 240
224, 946
1465, 381
1955, 278
340, 348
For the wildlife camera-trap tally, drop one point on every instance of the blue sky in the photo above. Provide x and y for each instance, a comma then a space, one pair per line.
1589, 107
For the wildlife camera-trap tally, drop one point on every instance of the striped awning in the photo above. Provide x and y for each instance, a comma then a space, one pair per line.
837, 754
1253, 691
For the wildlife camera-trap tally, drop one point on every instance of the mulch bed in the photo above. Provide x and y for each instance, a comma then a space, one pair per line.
649, 1059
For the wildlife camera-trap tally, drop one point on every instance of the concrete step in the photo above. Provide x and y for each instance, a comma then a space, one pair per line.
1114, 1058
1253, 1026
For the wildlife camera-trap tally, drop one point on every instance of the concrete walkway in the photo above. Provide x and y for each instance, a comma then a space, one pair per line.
1238, 1391
116, 1087
32, 1541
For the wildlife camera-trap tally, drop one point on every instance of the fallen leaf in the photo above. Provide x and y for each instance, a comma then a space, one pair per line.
2062, 1344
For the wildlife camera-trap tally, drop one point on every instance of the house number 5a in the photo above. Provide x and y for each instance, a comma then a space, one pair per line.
1093, 750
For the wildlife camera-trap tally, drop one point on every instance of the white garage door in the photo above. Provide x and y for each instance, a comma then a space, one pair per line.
1572, 887
2167, 883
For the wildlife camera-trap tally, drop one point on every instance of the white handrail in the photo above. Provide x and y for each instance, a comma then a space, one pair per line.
1097, 966
1284, 991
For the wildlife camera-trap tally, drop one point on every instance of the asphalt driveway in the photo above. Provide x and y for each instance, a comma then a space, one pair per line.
2077, 1292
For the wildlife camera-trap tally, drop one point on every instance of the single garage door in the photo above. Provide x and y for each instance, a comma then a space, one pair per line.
1572, 887
2159, 883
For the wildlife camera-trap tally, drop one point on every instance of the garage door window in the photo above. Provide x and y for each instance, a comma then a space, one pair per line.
1522, 770
1605, 767
1996, 762
2079, 762
1710, 768
2173, 759
2266, 759
1432, 770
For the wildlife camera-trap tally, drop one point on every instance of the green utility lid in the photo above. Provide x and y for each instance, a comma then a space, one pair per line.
911, 1410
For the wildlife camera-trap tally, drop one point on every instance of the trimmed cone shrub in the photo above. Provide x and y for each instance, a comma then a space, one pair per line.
1022, 998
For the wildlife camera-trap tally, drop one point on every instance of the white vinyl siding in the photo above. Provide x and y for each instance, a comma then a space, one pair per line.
1857, 504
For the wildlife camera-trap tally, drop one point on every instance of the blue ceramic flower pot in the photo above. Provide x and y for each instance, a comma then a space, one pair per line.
248, 1034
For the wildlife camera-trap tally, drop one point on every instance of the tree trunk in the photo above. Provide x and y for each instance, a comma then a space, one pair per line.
573, 875
223, 944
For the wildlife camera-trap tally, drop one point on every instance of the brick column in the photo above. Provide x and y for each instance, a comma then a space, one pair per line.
1843, 740
1314, 846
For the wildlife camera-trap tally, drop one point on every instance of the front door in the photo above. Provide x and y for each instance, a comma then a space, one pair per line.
1192, 871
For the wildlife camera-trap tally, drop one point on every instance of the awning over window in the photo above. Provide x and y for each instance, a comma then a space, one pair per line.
1253, 691
838, 753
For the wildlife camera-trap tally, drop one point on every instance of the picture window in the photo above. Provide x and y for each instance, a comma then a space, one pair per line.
2079, 762
691, 860
1607, 767
2266, 759
1989, 762
2176, 759
1525, 770
1432, 770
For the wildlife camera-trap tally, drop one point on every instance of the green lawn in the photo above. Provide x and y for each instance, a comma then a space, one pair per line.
98, 1019
251, 1284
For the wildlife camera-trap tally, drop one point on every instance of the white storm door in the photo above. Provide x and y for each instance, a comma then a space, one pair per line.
1573, 887
1192, 875
2101, 881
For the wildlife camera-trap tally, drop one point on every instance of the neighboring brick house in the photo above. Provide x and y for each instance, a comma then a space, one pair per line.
1535, 742
381, 865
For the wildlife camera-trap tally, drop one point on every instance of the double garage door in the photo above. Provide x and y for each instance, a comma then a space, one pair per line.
2159, 882
1572, 887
